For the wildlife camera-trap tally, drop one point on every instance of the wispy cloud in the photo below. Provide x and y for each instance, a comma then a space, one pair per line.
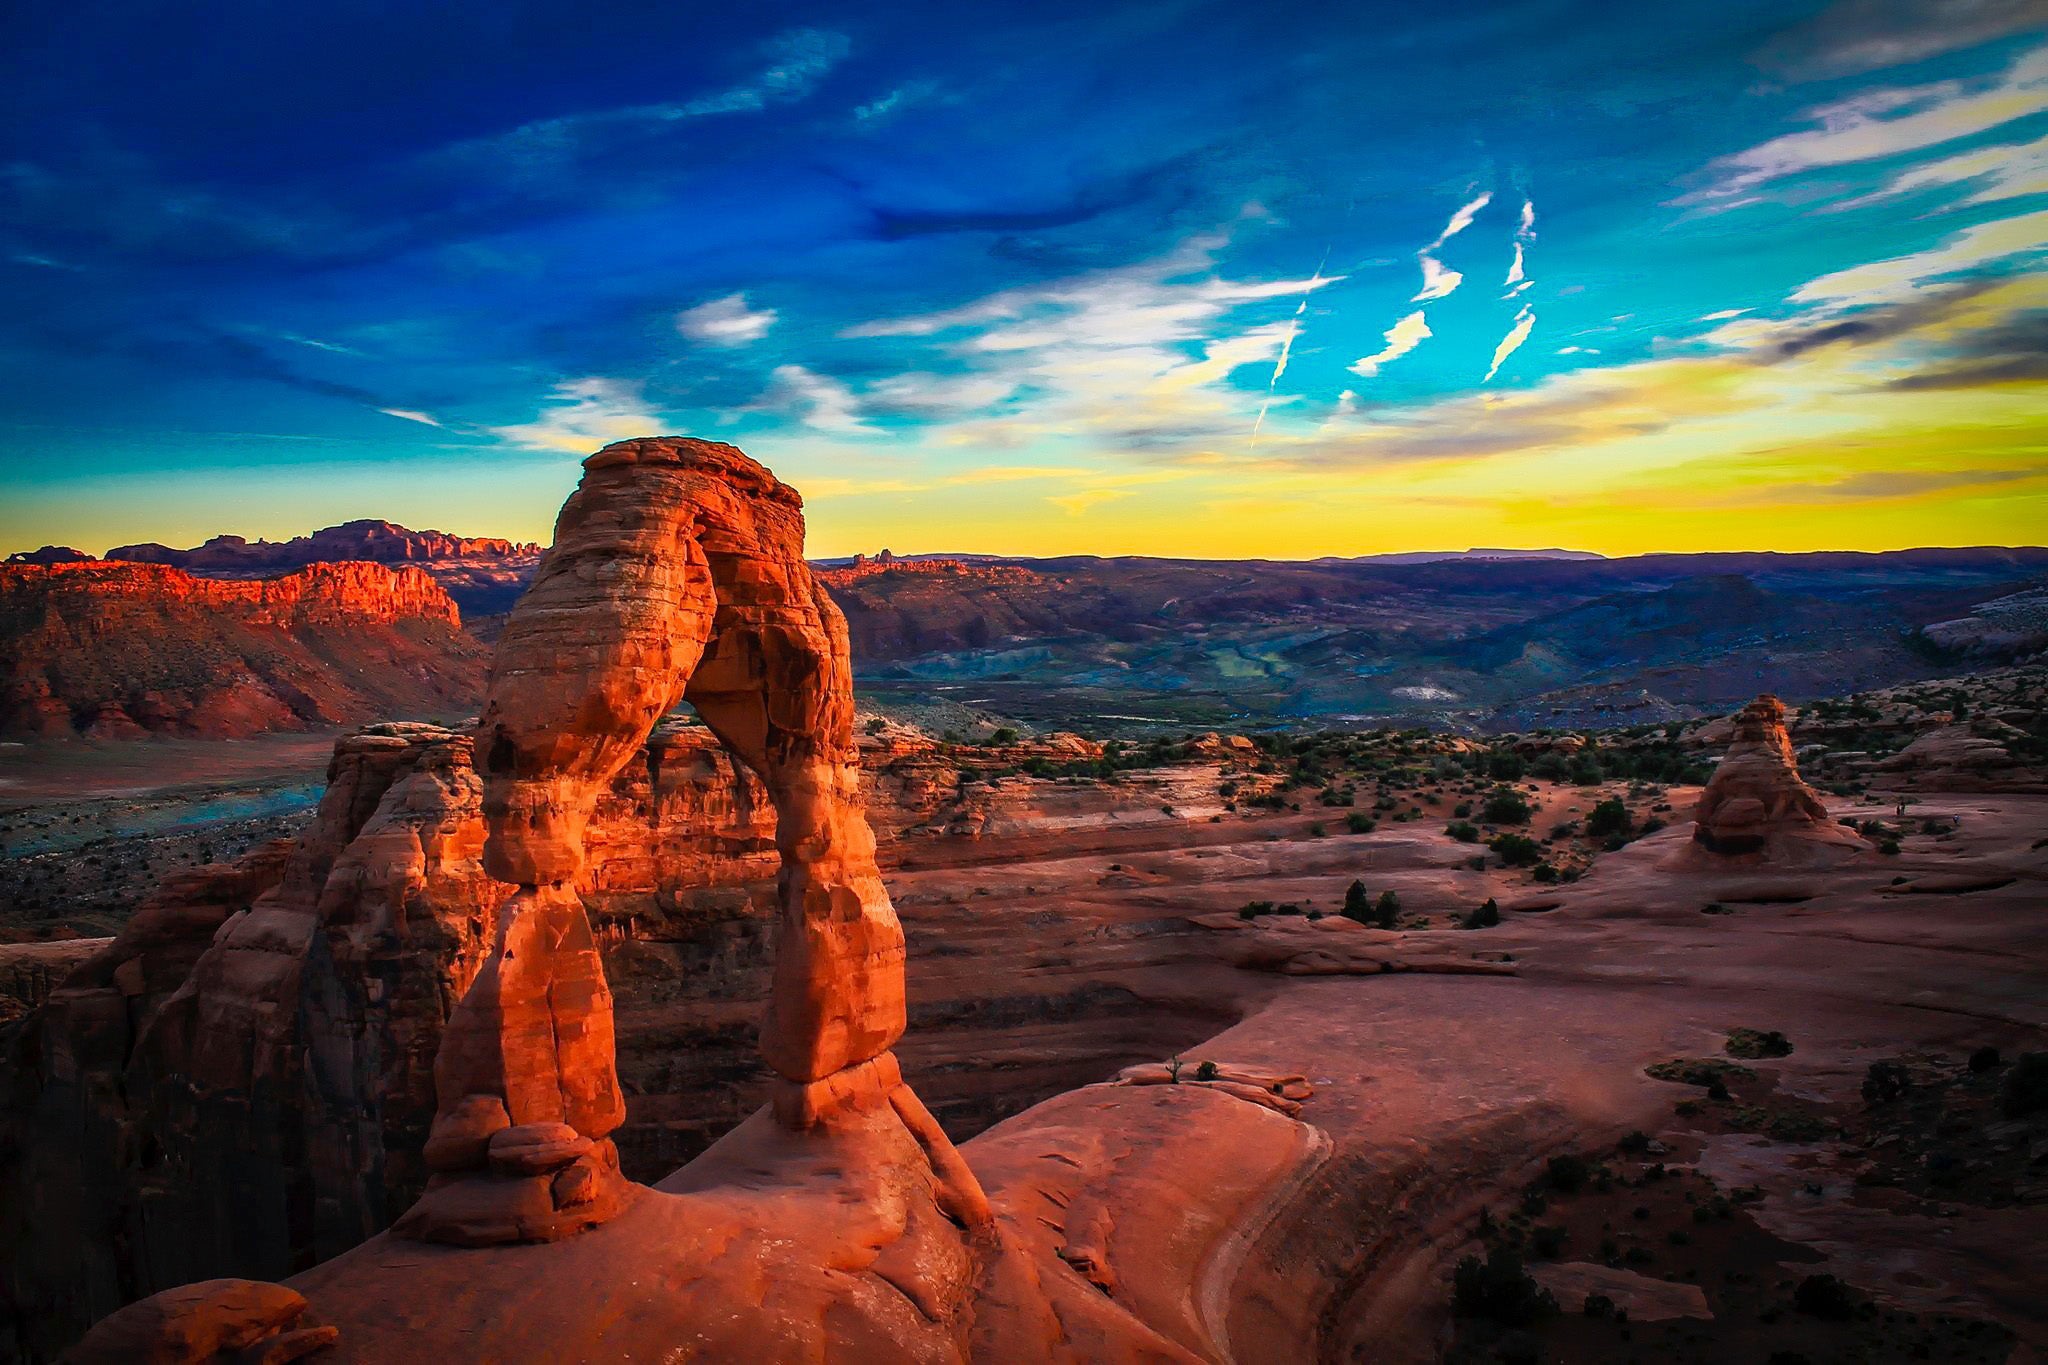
314, 343
2005, 172
1850, 36
1437, 280
906, 96
727, 321
1076, 504
1525, 322
583, 414
819, 401
412, 415
796, 61
1525, 233
42, 262
1403, 337
1970, 250
1882, 123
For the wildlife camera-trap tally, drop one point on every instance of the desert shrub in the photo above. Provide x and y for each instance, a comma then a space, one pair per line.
1499, 1290
1463, 810
1387, 910
1825, 1297
1609, 819
1463, 831
1598, 1306
1358, 822
1547, 1241
1484, 917
1206, 1071
1506, 767
2026, 1086
1002, 734
1885, 1082
1567, 1174
1517, 850
1316, 830
1715, 908
1505, 806
1702, 1071
1544, 873
1586, 771
1749, 1044
1551, 768
1984, 1059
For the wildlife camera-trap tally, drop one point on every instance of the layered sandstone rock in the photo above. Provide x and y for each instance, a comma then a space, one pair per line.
120, 650
1756, 801
677, 573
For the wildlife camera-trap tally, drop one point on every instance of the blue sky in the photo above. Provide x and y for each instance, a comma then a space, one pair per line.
1190, 278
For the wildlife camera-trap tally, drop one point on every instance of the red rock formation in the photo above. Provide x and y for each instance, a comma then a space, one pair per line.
50, 554
378, 542
1756, 802
963, 570
116, 650
677, 573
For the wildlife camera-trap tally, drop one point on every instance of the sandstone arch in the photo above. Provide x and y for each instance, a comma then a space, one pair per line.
677, 573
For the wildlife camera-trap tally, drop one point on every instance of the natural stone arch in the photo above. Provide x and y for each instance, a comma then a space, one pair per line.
677, 573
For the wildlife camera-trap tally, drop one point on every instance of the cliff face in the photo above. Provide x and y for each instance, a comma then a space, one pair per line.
121, 650
242, 1081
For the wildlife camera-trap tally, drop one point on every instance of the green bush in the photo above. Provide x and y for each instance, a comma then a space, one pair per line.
1463, 831
1517, 850
1358, 822
1387, 912
1610, 819
1505, 806
1484, 917
1499, 1290
1750, 1044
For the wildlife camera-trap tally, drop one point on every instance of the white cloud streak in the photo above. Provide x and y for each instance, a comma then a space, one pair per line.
817, 400
584, 414
1525, 322
1437, 280
727, 321
1403, 337
1892, 281
1883, 123
412, 415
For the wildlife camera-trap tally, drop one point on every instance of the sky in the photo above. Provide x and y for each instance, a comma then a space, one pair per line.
1178, 278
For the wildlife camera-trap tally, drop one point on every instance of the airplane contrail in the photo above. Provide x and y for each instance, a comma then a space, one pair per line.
1287, 343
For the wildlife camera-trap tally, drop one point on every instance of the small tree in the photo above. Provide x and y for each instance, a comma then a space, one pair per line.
1358, 903
1485, 916
1388, 910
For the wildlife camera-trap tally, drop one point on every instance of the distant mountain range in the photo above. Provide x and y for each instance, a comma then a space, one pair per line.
1486, 638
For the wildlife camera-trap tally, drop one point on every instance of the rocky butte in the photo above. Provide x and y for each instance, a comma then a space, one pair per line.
118, 651
410, 1012
1757, 803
